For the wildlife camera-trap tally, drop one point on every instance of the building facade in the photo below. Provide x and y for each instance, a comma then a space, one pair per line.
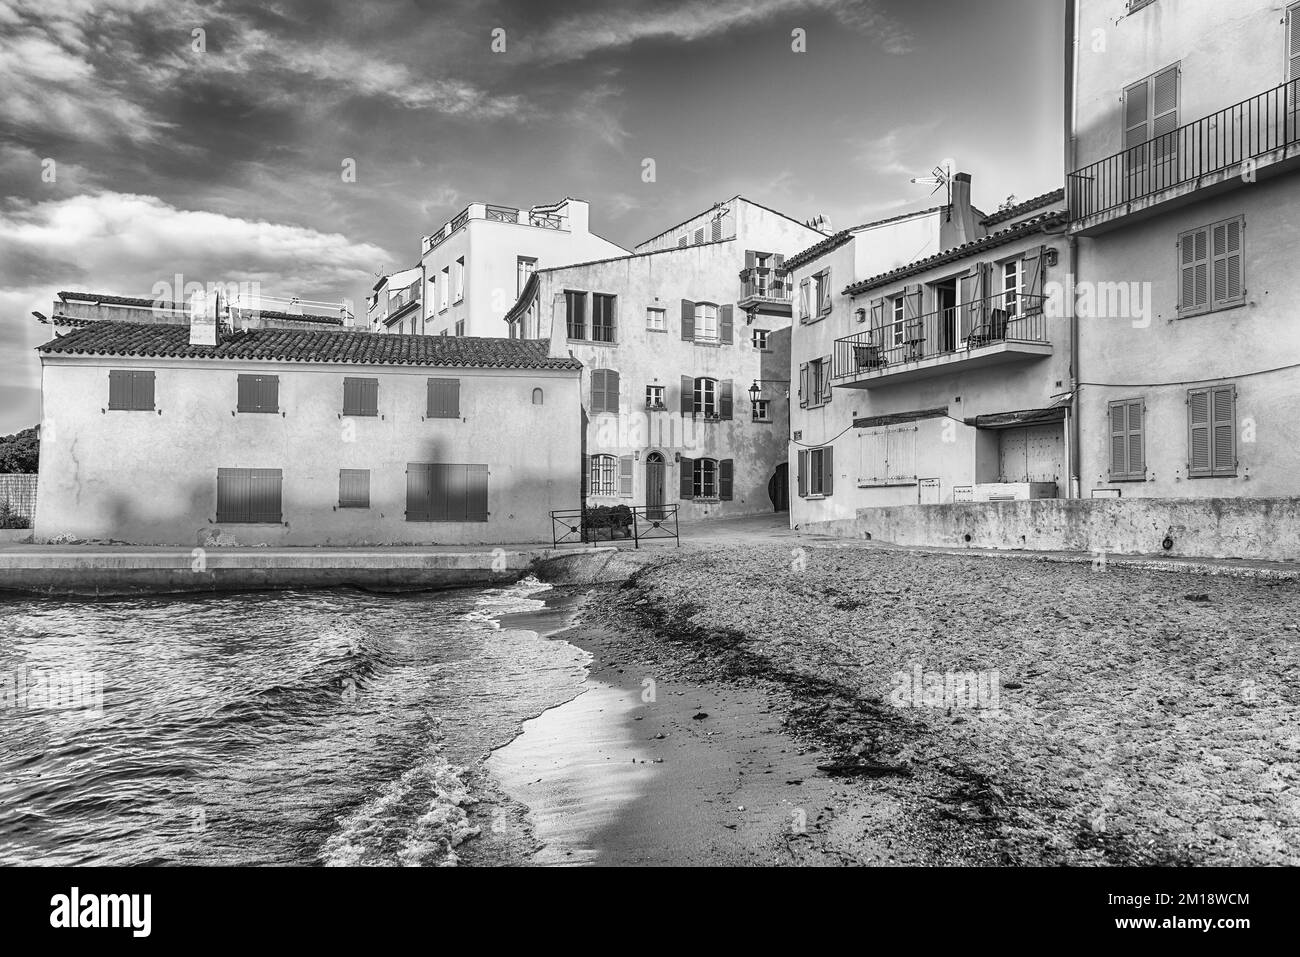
939, 380
1183, 145
477, 264
173, 435
395, 303
672, 339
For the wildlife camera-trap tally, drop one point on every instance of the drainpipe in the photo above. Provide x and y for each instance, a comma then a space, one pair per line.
1071, 156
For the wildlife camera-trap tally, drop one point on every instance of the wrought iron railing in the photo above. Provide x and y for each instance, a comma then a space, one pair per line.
1210, 145
501, 214
546, 220
648, 523
774, 290
952, 332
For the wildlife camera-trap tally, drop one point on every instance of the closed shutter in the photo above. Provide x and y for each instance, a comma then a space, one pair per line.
726, 322
1199, 456
249, 496
1033, 281
826, 395
1137, 464
360, 396
119, 389
419, 478
1226, 247
1293, 52
259, 393
444, 399
828, 471
597, 391
803, 385
625, 467
476, 494
354, 488
724, 400
611, 390
688, 395
750, 259
1224, 431
1164, 116
686, 485
586, 476
699, 235
1118, 440
716, 229
802, 470
1194, 270
1127, 442
726, 476
142, 391
688, 321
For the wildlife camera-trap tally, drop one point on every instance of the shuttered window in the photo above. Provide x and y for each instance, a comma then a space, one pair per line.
130, 390
726, 479
259, 393
815, 383
1150, 119
706, 396
602, 317
443, 492
1127, 440
1211, 270
604, 475
604, 391
360, 396
887, 456
704, 478
443, 399
816, 472
626, 471
1293, 51
249, 496
354, 488
1212, 433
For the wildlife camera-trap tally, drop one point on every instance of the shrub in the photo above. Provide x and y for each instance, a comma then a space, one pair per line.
11, 519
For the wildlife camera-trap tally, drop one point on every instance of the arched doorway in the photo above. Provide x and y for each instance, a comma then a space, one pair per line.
778, 488
654, 485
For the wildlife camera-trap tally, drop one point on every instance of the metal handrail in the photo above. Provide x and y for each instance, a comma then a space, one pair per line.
649, 523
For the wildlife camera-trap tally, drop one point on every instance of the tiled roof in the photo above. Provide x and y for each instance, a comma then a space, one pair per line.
1028, 206
991, 241
143, 303
309, 345
836, 240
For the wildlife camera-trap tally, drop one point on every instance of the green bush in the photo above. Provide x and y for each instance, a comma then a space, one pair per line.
616, 518
11, 519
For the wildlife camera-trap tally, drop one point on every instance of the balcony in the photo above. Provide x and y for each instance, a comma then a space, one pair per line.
495, 214
1209, 152
1009, 327
766, 290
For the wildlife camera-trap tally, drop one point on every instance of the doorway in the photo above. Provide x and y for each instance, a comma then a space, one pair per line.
948, 324
654, 486
778, 488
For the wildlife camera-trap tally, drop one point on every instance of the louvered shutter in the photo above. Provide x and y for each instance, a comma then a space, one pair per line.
1136, 442
1293, 51
726, 477
1198, 444
1223, 432
912, 327
802, 481
828, 471
354, 488
688, 321
476, 493
142, 391
625, 467
699, 236
1118, 440
1164, 119
119, 389
803, 385
444, 399
1137, 120
597, 391
1194, 268
264, 504
418, 477
686, 484
724, 400
688, 395
1226, 246
611, 390
726, 324
716, 229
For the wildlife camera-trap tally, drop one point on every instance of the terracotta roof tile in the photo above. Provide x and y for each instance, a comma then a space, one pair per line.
1028, 206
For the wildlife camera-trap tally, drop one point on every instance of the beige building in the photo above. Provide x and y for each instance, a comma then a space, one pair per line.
936, 380
1183, 143
162, 433
672, 339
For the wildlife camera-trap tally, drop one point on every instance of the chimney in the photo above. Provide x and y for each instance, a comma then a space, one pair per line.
203, 319
295, 307
959, 225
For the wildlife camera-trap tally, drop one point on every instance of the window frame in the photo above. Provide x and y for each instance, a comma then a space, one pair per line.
703, 396
650, 313
610, 327
1210, 263
131, 377
578, 296
655, 399
704, 470
701, 315
765, 415
1212, 424
1128, 474
754, 337
596, 485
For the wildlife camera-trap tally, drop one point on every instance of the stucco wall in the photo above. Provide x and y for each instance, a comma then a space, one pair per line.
150, 478
1264, 529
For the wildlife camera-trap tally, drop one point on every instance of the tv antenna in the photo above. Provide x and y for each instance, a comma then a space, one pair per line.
940, 178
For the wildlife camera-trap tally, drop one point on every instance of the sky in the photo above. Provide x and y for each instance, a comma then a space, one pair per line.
133, 148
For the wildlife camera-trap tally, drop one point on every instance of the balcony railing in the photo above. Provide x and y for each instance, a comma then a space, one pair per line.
501, 214
953, 333
1218, 142
496, 214
773, 290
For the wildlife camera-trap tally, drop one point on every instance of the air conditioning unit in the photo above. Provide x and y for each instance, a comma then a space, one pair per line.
1013, 491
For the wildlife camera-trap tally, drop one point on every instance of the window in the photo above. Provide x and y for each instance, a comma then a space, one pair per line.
259, 393
704, 478
887, 456
1127, 442
897, 328
1013, 279
446, 287
763, 410
604, 391
823, 292
699, 236
130, 390
708, 479
443, 492
1211, 272
443, 399
816, 472
460, 327
654, 397
537, 397
249, 496
760, 338
682, 241
706, 396
1212, 438
656, 320
575, 308
1150, 119
360, 396
604, 475
602, 317
815, 383
354, 488
706, 322
459, 276
525, 266
715, 229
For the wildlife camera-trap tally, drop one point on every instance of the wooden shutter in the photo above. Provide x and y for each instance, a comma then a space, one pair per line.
878, 322
749, 259
1137, 119
119, 389
354, 488
264, 503
142, 391
586, 475
1118, 440
826, 395
973, 292
828, 471
802, 470
1199, 461
726, 324
1293, 51
803, 385
1164, 114
418, 481
1223, 430
688, 395
699, 235
1127, 443
360, 396
1137, 464
1226, 249
1194, 270
1032, 281
688, 321
805, 303
444, 399
716, 229
686, 484
259, 393
726, 470
824, 307
724, 400
912, 326
476, 493
625, 467
597, 391
611, 390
